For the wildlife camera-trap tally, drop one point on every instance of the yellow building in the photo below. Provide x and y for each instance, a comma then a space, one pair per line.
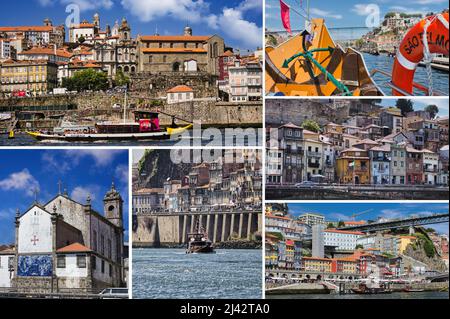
353, 166
404, 241
314, 154
316, 264
35, 77
345, 265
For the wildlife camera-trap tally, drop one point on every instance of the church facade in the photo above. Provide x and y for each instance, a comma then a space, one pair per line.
183, 53
65, 246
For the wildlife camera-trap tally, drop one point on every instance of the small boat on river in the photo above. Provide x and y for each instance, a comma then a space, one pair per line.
198, 242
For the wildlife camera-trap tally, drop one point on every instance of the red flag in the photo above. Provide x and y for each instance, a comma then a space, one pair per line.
285, 16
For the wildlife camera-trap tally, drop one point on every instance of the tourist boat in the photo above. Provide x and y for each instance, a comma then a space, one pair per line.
199, 243
312, 64
364, 289
411, 289
69, 127
145, 127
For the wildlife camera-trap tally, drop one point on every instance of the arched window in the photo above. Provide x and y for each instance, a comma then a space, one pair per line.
126, 69
176, 67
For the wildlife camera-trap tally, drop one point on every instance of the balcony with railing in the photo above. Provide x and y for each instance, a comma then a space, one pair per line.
313, 164
314, 154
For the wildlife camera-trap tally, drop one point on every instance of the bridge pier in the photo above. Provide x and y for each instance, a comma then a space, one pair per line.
249, 226
184, 235
241, 223
224, 225
232, 225
216, 219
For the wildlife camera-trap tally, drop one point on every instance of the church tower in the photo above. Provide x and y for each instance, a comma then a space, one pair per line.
124, 31
97, 21
113, 207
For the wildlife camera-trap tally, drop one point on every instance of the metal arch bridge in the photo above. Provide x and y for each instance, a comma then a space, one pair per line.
409, 222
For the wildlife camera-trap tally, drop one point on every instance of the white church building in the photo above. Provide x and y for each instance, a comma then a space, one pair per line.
65, 246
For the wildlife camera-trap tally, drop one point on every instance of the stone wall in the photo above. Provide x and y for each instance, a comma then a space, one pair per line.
282, 111
99, 106
156, 85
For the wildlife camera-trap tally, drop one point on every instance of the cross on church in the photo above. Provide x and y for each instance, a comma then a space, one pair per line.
59, 187
35, 191
34, 240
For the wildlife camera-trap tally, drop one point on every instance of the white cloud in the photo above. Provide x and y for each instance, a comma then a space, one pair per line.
326, 14
148, 10
46, 3
20, 181
361, 9
84, 5
122, 173
251, 5
230, 21
6, 214
80, 193
429, 1
52, 164
100, 157
233, 24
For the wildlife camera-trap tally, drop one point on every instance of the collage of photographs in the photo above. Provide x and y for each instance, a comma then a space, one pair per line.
224, 149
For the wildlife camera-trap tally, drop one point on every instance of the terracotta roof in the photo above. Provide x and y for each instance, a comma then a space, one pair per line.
366, 141
228, 53
353, 149
74, 248
48, 51
83, 26
278, 217
343, 232
173, 50
174, 38
26, 29
149, 190
180, 88
317, 258
290, 125
384, 148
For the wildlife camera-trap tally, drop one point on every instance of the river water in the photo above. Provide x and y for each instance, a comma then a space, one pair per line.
395, 295
216, 138
385, 63
173, 274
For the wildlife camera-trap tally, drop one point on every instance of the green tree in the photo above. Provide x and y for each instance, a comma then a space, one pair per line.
311, 125
121, 79
341, 224
330, 225
432, 109
86, 80
359, 246
405, 106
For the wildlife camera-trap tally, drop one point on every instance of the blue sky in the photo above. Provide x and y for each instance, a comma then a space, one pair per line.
344, 211
421, 103
83, 171
347, 13
239, 22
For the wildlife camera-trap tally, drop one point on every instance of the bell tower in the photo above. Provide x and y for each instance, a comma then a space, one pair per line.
113, 206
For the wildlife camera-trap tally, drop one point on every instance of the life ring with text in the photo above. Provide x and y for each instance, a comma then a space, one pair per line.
434, 30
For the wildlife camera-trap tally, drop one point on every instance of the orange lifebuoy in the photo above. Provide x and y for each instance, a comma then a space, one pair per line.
411, 50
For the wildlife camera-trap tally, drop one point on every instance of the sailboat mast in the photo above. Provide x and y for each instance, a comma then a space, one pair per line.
307, 10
